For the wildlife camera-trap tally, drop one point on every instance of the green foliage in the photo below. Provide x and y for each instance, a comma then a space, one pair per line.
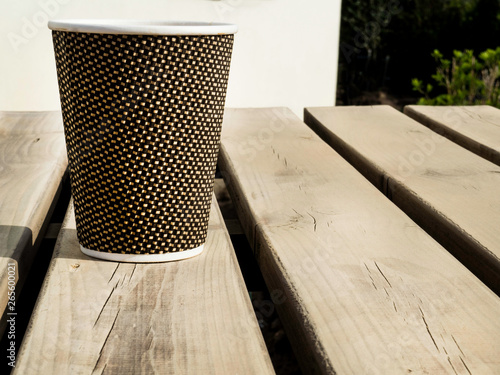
465, 79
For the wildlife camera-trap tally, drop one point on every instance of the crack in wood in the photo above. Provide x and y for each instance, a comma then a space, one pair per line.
150, 344
105, 303
132, 274
428, 330
118, 265
458, 346
122, 280
370, 276
367, 268
465, 365
275, 153
379, 270
453, 367
314, 221
106, 340
294, 210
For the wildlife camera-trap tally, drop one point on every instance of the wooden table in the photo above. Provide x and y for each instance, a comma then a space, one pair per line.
378, 240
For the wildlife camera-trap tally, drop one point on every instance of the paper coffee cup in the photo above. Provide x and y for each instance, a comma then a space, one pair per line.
142, 105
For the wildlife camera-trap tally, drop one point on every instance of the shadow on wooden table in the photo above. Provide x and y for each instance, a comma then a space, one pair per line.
29, 282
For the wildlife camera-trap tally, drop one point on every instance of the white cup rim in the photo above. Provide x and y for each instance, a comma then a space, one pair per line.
142, 27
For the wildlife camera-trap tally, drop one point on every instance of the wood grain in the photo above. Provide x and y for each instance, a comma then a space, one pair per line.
361, 289
477, 128
449, 191
188, 317
32, 164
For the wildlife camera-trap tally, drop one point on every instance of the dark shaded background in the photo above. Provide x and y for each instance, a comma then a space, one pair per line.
386, 43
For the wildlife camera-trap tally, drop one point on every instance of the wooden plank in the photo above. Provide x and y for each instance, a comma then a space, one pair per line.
32, 164
188, 317
360, 288
477, 128
449, 191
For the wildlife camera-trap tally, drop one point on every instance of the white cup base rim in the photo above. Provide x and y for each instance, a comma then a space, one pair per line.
143, 258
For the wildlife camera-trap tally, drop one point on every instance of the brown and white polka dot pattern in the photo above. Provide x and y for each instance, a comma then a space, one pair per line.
142, 117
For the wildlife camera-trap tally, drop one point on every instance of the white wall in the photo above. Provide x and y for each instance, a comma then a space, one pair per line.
285, 52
